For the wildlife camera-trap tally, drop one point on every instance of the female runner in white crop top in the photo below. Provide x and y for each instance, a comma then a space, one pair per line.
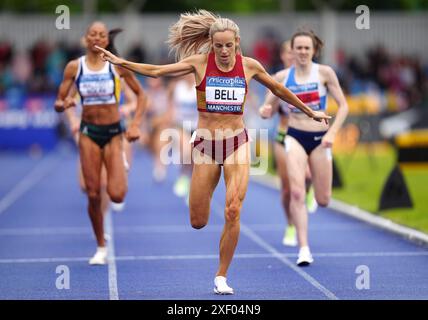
100, 140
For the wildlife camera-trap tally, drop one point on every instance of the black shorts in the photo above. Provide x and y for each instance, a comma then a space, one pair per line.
101, 134
307, 139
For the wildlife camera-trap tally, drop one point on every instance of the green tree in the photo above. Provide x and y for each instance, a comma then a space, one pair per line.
235, 6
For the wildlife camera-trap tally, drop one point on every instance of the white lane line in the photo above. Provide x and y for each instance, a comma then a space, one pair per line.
44, 260
357, 213
137, 258
88, 230
28, 181
215, 256
147, 229
45, 231
253, 236
370, 254
378, 221
112, 271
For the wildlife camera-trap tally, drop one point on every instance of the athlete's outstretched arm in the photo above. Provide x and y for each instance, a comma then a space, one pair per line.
183, 67
260, 74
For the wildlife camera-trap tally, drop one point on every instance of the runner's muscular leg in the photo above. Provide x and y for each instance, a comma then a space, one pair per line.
320, 162
296, 159
91, 161
205, 177
117, 180
279, 151
236, 176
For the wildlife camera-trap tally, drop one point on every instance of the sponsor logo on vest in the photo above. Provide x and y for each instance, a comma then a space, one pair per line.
303, 87
236, 82
224, 108
318, 138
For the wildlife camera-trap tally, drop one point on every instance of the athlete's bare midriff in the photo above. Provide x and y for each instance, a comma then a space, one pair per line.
302, 122
226, 125
104, 114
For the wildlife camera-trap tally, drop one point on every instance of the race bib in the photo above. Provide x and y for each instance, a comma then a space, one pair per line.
225, 94
96, 85
308, 94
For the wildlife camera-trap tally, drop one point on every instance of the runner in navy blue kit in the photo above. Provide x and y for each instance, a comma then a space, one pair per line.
100, 139
306, 143
290, 234
208, 46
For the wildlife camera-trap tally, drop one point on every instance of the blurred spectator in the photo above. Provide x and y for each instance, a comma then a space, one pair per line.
5, 53
137, 53
39, 53
74, 51
399, 81
267, 50
21, 69
55, 63
5, 59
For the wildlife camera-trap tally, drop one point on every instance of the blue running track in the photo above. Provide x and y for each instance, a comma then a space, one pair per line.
155, 254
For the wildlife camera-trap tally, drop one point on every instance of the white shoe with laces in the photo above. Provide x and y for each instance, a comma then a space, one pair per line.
100, 257
221, 287
305, 257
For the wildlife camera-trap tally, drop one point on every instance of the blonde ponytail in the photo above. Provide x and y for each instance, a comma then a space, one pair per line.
192, 33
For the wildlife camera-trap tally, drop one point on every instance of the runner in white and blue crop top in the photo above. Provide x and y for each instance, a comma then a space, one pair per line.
100, 140
97, 87
313, 92
306, 143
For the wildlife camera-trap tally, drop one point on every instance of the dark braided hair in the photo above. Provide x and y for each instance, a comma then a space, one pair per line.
111, 37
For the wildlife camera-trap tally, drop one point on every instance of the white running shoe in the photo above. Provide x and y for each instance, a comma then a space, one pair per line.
305, 257
221, 287
100, 257
117, 207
